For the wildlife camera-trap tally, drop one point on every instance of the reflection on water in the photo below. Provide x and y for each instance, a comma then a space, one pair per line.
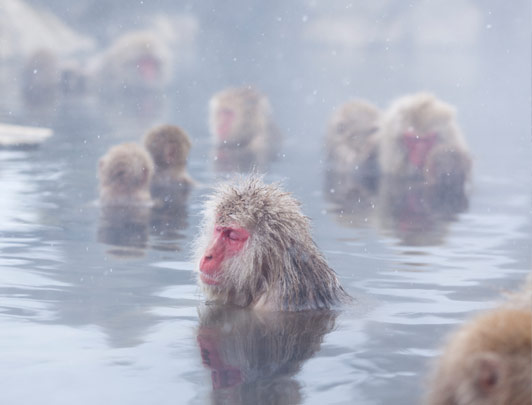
126, 229
254, 356
169, 217
415, 212
81, 324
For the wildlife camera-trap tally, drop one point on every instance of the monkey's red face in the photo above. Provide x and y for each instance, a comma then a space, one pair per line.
225, 118
226, 242
418, 146
223, 375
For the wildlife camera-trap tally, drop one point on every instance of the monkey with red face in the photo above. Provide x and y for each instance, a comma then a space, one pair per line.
241, 124
136, 62
420, 140
256, 250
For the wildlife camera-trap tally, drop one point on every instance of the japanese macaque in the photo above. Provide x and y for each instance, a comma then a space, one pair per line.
352, 172
135, 62
254, 356
169, 146
256, 250
240, 121
352, 140
489, 360
40, 78
420, 139
125, 175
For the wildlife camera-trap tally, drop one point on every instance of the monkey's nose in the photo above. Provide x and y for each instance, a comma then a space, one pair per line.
208, 257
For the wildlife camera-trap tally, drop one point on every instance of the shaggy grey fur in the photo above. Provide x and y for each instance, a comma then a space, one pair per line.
280, 267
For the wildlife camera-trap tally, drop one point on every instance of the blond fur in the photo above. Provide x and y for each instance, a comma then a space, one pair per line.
280, 267
495, 346
125, 173
423, 113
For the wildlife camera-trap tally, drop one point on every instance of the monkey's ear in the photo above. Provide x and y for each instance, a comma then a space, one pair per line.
486, 372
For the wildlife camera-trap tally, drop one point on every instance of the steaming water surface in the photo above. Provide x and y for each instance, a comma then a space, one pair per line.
88, 320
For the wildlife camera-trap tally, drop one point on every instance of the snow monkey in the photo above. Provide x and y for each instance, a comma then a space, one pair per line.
352, 173
256, 250
125, 173
136, 61
169, 147
240, 119
489, 360
351, 140
420, 139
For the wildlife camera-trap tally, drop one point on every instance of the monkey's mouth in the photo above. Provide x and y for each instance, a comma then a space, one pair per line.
208, 279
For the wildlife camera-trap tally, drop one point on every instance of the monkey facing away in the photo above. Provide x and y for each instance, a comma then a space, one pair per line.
169, 147
488, 361
256, 250
241, 124
420, 139
125, 173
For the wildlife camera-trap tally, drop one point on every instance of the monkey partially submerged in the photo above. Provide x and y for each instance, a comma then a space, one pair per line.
256, 250
169, 147
352, 141
242, 127
420, 140
125, 174
489, 360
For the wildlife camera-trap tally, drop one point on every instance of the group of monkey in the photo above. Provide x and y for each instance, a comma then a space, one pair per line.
255, 248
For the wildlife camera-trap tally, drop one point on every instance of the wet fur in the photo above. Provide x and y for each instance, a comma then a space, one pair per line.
280, 267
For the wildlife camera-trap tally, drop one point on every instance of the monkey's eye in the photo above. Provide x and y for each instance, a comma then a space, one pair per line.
233, 235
